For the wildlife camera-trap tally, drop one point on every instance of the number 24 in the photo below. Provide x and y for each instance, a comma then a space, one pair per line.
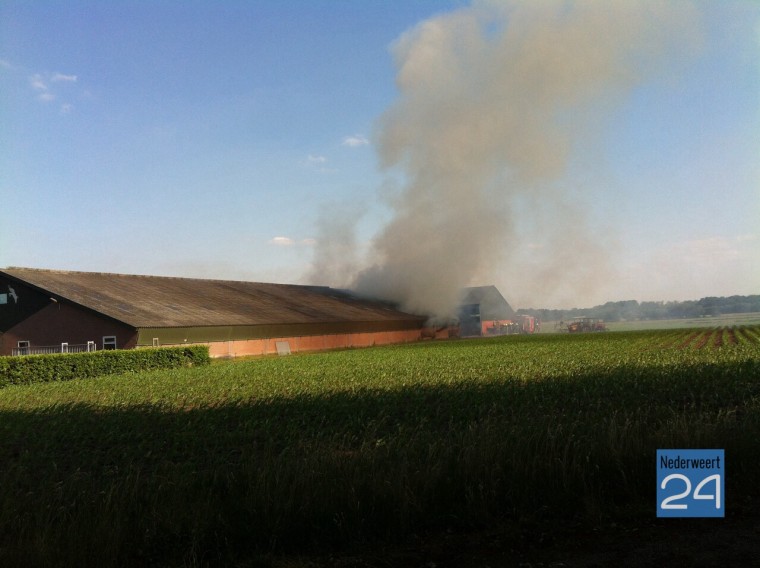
666, 503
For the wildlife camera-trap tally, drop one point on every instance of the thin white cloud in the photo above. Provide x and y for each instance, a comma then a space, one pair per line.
289, 242
5, 64
313, 160
38, 83
41, 84
58, 77
282, 241
355, 141
317, 162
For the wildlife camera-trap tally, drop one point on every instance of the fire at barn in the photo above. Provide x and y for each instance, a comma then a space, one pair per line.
483, 311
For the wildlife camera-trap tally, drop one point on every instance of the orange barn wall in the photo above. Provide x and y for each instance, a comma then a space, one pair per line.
268, 346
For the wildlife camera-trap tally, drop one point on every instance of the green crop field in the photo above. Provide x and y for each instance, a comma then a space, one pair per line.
298, 460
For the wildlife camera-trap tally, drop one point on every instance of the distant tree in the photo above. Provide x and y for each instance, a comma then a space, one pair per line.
710, 306
653, 310
632, 310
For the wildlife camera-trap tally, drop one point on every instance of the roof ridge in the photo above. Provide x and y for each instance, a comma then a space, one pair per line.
153, 276
171, 301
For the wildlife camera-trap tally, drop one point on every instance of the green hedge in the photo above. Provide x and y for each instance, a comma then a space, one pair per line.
28, 369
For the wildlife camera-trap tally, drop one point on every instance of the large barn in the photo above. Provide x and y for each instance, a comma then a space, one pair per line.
481, 308
51, 311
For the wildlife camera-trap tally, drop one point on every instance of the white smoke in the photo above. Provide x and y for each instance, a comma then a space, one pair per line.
492, 101
336, 254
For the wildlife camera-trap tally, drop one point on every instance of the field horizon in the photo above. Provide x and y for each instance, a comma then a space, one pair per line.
723, 320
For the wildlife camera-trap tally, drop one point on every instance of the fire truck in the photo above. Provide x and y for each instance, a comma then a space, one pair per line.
517, 325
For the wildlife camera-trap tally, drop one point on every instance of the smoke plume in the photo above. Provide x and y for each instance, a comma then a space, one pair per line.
493, 101
336, 254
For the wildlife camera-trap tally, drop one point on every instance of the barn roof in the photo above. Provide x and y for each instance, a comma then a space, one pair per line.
159, 301
492, 303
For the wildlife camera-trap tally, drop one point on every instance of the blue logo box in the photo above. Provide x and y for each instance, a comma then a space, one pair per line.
690, 483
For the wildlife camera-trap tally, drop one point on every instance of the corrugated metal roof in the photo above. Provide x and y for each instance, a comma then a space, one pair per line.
159, 301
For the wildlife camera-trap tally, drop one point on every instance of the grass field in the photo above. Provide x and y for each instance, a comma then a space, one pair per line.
527, 444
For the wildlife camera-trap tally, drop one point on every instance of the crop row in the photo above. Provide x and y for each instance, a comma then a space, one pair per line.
215, 464
710, 338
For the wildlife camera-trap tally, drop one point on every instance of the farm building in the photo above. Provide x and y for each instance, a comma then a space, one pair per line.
44, 311
482, 308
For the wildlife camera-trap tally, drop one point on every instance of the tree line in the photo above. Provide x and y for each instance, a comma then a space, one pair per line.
632, 310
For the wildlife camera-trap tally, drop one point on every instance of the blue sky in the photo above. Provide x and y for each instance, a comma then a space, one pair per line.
218, 139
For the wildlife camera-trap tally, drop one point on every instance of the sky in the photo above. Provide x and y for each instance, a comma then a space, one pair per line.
570, 153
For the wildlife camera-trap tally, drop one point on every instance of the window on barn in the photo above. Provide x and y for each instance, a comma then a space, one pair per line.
23, 347
156, 342
64, 347
109, 342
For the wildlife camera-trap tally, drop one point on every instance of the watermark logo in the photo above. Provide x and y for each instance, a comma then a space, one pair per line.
690, 483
